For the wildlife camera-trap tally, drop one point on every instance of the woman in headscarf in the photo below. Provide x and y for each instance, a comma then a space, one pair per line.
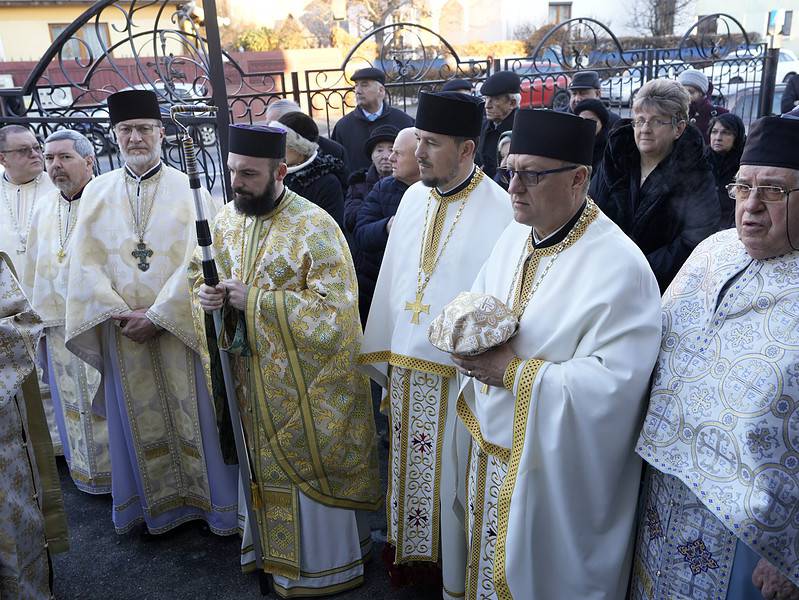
727, 138
594, 110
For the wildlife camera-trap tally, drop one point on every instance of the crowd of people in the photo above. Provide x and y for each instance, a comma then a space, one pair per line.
582, 329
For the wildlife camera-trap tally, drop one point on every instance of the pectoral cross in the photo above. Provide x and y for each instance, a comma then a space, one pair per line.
61, 254
142, 252
417, 308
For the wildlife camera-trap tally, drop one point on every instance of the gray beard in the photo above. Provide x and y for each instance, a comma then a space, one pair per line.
141, 160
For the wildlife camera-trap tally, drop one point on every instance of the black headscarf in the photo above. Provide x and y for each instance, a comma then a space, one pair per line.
725, 165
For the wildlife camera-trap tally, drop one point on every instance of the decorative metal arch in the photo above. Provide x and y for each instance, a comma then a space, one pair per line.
700, 42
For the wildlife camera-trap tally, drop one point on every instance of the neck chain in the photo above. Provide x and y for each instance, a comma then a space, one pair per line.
141, 214
432, 232
522, 282
21, 231
64, 232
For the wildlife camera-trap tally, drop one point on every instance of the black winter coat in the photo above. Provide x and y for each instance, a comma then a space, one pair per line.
486, 155
675, 208
371, 237
353, 130
331, 148
790, 95
319, 183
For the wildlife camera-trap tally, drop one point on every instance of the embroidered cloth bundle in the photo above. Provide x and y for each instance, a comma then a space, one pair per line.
472, 323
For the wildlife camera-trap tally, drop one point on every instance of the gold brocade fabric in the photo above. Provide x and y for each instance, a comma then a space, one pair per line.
157, 377
306, 410
31, 508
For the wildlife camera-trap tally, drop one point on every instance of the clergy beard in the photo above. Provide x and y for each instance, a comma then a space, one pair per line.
141, 160
438, 181
253, 205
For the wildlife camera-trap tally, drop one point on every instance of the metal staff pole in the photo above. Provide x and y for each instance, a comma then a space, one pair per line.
211, 278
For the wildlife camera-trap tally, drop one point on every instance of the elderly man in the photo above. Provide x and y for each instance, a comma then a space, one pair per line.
718, 512
376, 214
553, 412
502, 93
372, 110
32, 524
289, 289
458, 85
128, 314
586, 85
23, 182
69, 157
443, 231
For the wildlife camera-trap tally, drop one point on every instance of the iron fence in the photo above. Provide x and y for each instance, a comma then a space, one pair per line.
184, 65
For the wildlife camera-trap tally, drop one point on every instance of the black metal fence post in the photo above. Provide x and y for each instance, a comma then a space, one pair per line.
217, 75
295, 87
769, 82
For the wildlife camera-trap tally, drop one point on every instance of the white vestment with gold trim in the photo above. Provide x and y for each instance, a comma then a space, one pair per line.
424, 522
553, 478
73, 383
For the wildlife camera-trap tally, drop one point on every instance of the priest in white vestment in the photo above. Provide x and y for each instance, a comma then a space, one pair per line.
553, 413
69, 157
32, 524
444, 229
22, 184
290, 299
128, 314
718, 514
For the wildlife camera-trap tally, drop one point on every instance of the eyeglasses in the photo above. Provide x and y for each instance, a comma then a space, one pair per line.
532, 178
26, 150
142, 130
766, 193
654, 123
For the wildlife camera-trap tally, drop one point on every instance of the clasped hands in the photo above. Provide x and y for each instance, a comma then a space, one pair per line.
136, 326
488, 367
213, 298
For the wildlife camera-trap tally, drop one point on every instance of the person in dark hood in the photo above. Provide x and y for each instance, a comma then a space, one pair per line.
503, 149
312, 175
655, 182
595, 111
727, 138
701, 110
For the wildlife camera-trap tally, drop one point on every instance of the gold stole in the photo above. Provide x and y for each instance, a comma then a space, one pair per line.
275, 499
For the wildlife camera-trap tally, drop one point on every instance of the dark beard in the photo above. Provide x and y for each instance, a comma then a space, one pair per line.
256, 206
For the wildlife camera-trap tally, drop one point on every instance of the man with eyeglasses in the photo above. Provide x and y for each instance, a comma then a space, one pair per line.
442, 233
69, 158
22, 183
552, 478
721, 435
128, 314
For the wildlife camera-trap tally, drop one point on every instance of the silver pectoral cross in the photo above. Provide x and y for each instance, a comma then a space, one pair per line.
142, 253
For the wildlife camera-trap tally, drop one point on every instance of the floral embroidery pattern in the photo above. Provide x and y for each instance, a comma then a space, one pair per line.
697, 556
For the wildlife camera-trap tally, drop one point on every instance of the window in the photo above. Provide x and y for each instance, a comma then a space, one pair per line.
89, 36
560, 11
786, 23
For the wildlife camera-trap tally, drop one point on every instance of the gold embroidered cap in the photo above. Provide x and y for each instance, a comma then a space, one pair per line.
472, 323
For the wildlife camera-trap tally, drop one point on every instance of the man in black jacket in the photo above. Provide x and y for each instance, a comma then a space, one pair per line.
376, 214
502, 92
585, 85
371, 111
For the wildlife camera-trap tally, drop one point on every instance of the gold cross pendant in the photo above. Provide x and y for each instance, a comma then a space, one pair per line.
417, 308
61, 254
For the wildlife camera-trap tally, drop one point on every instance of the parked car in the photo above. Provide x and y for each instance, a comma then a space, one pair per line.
746, 67
620, 89
546, 91
745, 102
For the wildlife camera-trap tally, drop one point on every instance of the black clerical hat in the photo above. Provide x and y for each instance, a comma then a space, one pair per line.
381, 133
371, 74
453, 85
501, 82
553, 134
133, 104
585, 80
450, 113
772, 142
259, 141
